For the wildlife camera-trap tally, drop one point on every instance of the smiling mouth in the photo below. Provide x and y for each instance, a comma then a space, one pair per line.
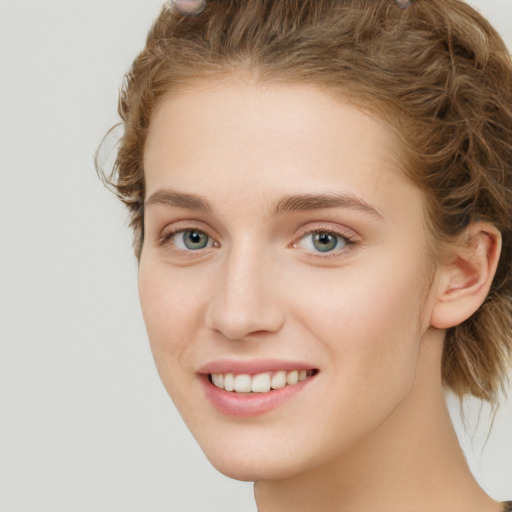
260, 382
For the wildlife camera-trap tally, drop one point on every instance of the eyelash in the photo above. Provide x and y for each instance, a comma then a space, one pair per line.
349, 241
167, 237
346, 238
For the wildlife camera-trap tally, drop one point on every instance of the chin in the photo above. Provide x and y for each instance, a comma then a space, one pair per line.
250, 471
257, 462
243, 474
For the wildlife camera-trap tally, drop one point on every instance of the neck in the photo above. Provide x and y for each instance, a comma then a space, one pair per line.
412, 461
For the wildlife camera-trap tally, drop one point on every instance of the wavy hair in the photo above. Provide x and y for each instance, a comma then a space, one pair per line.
436, 73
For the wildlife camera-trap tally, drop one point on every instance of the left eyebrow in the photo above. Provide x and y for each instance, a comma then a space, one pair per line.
305, 202
178, 199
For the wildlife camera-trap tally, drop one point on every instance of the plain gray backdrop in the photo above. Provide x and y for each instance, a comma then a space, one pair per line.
85, 424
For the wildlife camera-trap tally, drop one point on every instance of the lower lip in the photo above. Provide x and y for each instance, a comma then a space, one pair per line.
250, 404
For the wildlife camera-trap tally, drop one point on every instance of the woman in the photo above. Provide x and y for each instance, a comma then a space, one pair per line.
320, 192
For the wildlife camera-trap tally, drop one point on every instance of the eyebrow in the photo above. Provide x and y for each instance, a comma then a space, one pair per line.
286, 204
305, 202
179, 199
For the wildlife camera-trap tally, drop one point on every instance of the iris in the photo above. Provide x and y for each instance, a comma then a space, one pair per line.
324, 241
194, 240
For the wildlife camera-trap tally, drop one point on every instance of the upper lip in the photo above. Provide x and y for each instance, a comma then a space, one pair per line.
252, 366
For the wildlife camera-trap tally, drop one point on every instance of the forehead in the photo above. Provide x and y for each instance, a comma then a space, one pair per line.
262, 140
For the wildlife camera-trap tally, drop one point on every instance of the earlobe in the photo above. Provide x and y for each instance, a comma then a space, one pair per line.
465, 279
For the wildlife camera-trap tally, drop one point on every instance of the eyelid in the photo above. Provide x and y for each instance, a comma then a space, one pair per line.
350, 236
175, 228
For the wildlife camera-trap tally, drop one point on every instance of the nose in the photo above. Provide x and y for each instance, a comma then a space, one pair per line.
245, 298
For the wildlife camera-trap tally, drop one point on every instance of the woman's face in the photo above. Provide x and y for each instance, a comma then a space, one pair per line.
281, 245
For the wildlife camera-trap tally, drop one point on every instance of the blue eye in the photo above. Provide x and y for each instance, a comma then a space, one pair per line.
191, 240
324, 241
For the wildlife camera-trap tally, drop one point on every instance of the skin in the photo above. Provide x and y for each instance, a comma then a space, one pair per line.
371, 431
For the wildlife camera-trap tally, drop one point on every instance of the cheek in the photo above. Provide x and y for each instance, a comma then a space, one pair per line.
369, 323
171, 305
369, 330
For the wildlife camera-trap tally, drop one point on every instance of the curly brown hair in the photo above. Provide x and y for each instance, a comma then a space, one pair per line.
436, 73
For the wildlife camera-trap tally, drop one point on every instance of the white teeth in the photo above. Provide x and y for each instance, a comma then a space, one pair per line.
229, 382
292, 377
218, 379
243, 383
259, 383
278, 380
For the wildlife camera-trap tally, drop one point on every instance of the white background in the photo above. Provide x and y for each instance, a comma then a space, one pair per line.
85, 424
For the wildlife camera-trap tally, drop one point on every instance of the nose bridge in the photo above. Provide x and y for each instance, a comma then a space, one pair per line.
245, 301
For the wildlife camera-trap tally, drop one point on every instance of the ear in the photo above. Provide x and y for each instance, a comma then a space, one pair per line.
465, 277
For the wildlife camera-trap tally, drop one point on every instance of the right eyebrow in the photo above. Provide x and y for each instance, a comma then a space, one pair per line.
304, 202
174, 198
